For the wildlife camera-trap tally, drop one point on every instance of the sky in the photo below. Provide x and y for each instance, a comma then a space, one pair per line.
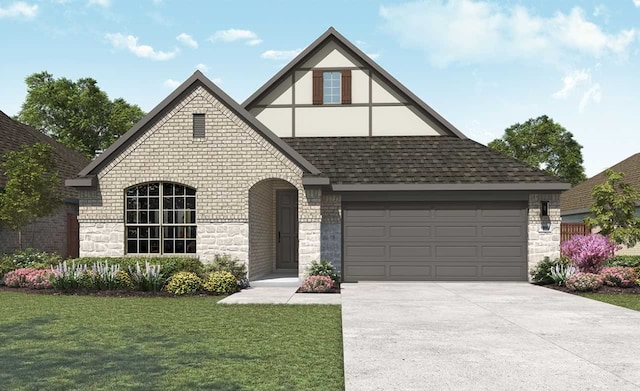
484, 65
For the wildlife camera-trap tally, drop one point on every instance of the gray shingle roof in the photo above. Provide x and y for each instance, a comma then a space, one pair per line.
14, 134
579, 197
412, 160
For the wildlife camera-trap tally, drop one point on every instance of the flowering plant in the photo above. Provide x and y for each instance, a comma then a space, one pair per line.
317, 284
589, 252
29, 278
583, 282
619, 276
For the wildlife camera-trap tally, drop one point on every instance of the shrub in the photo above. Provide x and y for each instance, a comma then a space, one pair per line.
123, 280
224, 263
28, 258
541, 273
323, 268
589, 252
184, 283
624, 260
583, 282
29, 278
147, 279
621, 276
560, 273
317, 284
221, 283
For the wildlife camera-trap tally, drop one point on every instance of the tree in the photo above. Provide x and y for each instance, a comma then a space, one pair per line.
614, 209
543, 144
31, 188
77, 114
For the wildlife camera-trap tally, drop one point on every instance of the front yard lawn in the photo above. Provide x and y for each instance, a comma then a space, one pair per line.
631, 301
52, 342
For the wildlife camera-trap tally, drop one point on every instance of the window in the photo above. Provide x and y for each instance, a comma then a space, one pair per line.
160, 218
331, 88
198, 126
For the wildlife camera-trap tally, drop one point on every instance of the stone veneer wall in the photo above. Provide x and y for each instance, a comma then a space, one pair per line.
45, 234
543, 243
331, 229
222, 167
309, 231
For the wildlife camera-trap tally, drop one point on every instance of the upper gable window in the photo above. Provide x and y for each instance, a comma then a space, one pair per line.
331, 87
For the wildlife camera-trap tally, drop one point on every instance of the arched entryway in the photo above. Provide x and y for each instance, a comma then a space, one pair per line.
273, 227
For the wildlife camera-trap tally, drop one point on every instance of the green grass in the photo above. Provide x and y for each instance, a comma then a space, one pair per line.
620, 299
107, 343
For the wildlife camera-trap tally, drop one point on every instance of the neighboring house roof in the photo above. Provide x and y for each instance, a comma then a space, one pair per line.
332, 34
15, 134
578, 199
197, 79
433, 162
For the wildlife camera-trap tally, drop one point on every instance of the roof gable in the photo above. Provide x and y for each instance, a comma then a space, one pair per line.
331, 35
15, 134
197, 79
579, 197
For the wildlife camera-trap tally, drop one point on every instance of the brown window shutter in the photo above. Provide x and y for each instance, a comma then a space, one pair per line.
317, 87
346, 86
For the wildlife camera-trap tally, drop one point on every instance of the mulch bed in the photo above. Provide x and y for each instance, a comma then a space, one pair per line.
335, 289
82, 292
605, 290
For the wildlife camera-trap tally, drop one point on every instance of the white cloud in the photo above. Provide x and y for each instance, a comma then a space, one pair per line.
19, 9
636, 3
280, 54
130, 43
571, 81
187, 40
202, 67
373, 56
593, 94
472, 31
101, 3
232, 35
171, 83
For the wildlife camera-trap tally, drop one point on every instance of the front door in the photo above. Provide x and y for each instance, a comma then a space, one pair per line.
286, 229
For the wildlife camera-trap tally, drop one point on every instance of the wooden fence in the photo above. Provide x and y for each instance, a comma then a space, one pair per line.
567, 230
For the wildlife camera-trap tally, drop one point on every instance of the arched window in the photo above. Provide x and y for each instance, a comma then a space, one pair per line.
160, 218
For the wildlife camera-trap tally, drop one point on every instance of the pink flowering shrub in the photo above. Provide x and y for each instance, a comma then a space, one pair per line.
29, 278
583, 282
589, 252
317, 284
621, 276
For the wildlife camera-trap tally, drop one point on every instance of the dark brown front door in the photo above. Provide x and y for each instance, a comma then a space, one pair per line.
286, 229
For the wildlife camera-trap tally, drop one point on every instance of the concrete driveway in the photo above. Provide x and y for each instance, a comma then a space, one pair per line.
485, 336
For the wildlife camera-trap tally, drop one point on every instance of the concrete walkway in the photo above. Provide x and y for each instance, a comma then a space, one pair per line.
485, 336
279, 295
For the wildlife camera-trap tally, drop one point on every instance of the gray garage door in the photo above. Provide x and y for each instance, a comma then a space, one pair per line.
435, 241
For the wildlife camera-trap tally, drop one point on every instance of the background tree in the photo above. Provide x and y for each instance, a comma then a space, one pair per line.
614, 209
31, 188
543, 144
77, 114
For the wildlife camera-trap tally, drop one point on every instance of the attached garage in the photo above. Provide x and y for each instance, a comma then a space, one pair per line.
435, 241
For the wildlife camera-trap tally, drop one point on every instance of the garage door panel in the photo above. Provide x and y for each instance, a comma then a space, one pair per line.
365, 251
418, 231
409, 251
456, 232
503, 231
501, 272
409, 271
502, 251
435, 241
456, 251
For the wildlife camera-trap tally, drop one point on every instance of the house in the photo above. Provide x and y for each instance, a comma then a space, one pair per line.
332, 158
58, 232
576, 202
